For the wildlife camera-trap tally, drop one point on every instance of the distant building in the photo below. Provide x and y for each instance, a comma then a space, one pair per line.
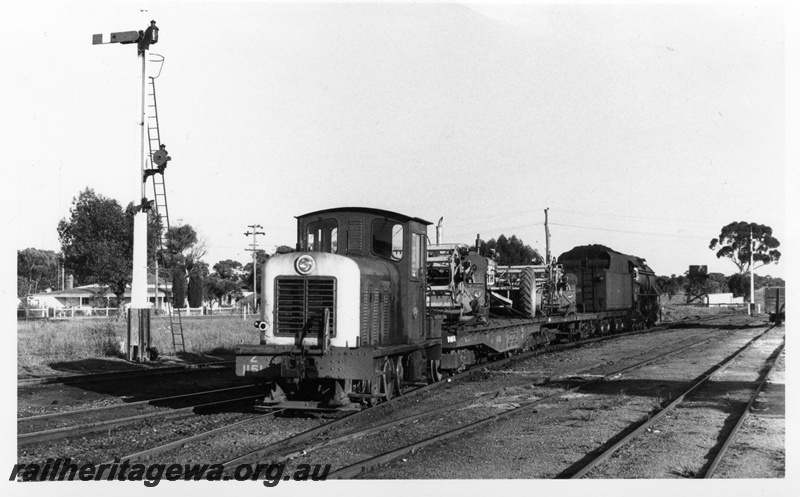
248, 299
83, 296
723, 299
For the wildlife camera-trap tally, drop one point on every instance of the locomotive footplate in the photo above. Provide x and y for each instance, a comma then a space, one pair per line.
289, 362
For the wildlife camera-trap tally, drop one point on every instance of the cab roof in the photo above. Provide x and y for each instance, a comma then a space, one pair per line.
367, 210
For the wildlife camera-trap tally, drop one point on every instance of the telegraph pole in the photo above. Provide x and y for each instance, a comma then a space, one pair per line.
139, 317
547, 237
254, 249
752, 306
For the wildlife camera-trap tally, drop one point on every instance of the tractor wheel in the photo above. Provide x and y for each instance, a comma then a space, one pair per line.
526, 299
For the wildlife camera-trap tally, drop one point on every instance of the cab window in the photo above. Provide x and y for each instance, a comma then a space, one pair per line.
387, 239
322, 236
417, 250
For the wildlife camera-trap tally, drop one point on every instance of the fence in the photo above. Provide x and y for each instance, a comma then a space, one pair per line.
94, 312
215, 311
67, 312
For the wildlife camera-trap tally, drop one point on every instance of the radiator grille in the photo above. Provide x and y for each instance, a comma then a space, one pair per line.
300, 305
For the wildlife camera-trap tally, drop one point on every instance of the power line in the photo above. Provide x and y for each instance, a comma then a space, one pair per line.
644, 218
628, 231
495, 229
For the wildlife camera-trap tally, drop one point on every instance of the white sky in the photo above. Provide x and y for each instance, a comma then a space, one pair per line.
642, 127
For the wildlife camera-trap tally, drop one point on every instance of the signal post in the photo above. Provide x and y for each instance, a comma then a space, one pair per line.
138, 339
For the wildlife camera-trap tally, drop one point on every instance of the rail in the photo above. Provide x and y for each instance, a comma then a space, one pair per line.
653, 418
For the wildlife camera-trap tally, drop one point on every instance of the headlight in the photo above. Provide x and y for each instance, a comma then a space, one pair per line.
304, 264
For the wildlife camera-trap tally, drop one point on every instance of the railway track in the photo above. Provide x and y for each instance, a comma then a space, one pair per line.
723, 451
254, 456
548, 422
308, 441
123, 375
726, 434
366, 465
48, 427
294, 443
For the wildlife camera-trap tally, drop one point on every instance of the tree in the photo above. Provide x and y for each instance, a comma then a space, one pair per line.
178, 287
182, 253
247, 277
734, 242
183, 246
716, 283
739, 285
512, 251
37, 270
225, 281
196, 288
97, 241
671, 285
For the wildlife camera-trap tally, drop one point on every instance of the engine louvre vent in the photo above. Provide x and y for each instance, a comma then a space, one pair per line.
300, 305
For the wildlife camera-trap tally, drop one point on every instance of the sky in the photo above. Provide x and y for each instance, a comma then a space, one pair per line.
642, 127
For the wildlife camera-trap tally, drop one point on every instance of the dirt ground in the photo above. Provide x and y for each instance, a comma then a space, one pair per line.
553, 439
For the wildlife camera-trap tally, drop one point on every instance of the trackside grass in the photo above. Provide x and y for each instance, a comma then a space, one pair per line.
44, 342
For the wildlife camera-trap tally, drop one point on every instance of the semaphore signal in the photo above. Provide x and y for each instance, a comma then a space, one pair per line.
139, 320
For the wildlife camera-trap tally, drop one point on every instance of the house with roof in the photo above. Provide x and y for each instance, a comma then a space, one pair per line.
86, 296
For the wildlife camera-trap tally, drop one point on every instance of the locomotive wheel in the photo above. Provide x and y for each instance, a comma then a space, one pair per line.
387, 380
433, 370
373, 388
399, 374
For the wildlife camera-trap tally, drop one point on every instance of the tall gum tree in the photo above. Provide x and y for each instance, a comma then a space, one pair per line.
734, 242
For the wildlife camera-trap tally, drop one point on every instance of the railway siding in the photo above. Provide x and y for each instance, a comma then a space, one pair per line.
557, 439
758, 449
517, 385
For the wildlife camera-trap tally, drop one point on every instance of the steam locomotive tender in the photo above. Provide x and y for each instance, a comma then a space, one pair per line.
343, 318
608, 282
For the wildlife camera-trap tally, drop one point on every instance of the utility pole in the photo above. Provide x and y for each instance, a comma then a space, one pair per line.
547, 237
139, 317
254, 249
752, 306
62, 272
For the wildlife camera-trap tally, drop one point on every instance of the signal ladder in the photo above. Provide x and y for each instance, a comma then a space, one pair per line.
157, 165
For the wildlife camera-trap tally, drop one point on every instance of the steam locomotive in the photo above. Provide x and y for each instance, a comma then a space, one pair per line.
364, 308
